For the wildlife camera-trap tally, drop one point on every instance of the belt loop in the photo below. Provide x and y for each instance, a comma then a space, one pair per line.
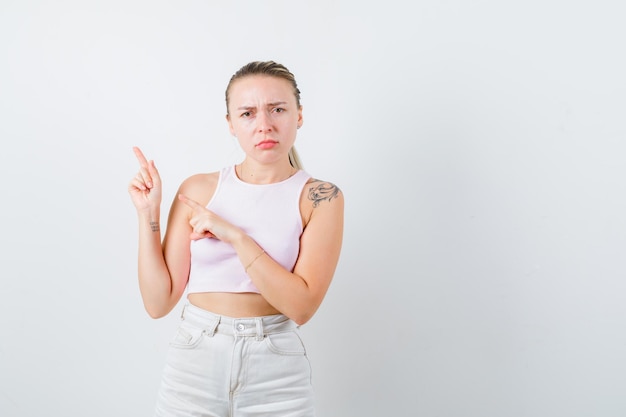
259, 328
182, 313
210, 330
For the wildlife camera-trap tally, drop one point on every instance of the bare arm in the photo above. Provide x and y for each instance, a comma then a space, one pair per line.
296, 294
163, 269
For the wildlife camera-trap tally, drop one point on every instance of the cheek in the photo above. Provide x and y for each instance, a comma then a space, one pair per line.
242, 126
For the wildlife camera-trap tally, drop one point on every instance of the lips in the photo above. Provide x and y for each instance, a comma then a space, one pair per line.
266, 144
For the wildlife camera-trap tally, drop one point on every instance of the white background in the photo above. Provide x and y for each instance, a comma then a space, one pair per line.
480, 146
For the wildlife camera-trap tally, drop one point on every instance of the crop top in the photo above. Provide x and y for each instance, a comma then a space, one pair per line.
268, 213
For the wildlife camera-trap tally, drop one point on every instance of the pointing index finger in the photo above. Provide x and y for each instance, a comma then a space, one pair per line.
188, 201
140, 157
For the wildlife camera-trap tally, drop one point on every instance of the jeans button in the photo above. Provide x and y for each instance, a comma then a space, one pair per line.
241, 327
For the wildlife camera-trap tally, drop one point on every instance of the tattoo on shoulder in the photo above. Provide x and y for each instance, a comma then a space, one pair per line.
323, 191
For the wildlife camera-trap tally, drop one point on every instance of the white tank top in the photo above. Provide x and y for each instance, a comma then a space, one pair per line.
268, 213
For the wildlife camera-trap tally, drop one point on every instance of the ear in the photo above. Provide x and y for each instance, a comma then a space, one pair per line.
300, 119
230, 125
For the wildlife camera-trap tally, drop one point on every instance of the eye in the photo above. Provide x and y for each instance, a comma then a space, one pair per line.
279, 110
246, 114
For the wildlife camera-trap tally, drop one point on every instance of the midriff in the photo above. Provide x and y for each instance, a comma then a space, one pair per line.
233, 304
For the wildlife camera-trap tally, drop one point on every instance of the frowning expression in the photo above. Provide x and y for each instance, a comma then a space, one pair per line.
264, 116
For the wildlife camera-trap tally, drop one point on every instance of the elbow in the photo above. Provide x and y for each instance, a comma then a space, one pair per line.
302, 317
301, 320
304, 311
155, 313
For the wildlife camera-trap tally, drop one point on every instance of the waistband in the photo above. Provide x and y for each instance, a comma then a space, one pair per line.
257, 327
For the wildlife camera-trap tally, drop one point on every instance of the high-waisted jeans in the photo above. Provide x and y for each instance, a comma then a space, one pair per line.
237, 367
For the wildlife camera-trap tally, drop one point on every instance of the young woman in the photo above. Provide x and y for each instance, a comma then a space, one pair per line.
256, 246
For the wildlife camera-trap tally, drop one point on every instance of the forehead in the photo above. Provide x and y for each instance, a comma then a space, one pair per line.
261, 88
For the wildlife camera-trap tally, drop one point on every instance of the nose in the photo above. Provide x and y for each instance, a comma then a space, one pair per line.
264, 123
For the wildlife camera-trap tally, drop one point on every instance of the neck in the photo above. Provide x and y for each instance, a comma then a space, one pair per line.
254, 173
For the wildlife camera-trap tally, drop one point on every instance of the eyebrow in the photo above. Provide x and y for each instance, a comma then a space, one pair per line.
273, 104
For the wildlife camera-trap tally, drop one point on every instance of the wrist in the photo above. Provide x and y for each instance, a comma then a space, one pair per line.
239, 239
152, 218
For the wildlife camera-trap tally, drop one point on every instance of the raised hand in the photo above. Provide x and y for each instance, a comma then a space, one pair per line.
206, 224
145, 188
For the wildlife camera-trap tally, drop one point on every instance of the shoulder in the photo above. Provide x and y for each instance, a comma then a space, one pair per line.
320, 198
200, 187
319, 192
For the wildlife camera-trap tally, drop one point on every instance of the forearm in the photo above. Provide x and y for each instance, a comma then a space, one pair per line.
155, 282
287, 292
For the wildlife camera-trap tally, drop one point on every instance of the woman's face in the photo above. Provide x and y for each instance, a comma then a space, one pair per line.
264, 116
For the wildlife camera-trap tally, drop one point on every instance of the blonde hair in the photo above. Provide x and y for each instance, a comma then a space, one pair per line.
271, 69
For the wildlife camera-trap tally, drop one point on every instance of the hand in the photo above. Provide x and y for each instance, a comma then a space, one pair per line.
145, 188
206, 224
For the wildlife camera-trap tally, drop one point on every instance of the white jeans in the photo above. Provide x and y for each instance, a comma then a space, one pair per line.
237, 367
